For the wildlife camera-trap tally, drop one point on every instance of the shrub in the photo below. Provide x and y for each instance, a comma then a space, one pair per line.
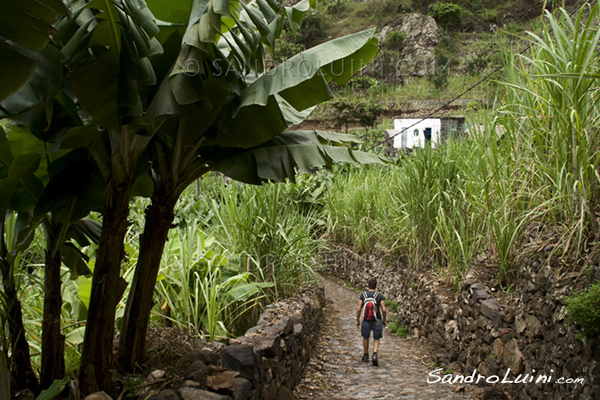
344, 111
445, 14
395, 40
584, 309
439, 78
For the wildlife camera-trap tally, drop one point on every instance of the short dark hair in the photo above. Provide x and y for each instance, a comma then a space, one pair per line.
372, 283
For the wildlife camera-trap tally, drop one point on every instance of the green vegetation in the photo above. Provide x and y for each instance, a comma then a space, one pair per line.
391, 305
446, 14
394, 326
395, 40
533, 167
102, 229
584, 309
110, 105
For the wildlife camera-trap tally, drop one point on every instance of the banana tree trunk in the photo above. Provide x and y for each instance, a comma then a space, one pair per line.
107, 289
23, 376
53, 342
132, 341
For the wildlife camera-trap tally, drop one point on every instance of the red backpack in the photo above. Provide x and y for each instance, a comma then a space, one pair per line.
369, 311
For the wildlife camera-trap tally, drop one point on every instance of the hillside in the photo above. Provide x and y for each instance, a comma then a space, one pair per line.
430, 52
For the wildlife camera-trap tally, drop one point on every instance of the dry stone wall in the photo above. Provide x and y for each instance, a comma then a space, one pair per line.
264, 364
480, 330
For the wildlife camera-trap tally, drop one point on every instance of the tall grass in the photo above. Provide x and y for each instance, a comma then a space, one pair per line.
534, 167
264, 228
423, 208
236, 248
551, 119
200, 289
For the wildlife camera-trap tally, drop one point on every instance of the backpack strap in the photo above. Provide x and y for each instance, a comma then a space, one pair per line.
377, 311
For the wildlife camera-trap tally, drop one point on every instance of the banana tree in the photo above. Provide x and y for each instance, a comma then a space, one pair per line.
108, 53
71, 193
197, 112
206, 119
52, 194
19, 190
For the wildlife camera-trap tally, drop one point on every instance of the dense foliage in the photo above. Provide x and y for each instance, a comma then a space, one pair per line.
108, 103
117, 115
584, 309
531, 169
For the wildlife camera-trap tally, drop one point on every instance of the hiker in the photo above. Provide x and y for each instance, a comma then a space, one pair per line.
371, 308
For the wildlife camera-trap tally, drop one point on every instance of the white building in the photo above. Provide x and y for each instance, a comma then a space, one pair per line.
412, 132
409, 133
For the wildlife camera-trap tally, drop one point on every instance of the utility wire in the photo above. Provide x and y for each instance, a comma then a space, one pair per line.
485, 78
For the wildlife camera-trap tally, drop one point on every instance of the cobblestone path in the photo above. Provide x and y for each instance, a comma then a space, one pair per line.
336, 371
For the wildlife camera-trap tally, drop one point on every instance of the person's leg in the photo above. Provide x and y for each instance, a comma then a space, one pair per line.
365, 331
377, 335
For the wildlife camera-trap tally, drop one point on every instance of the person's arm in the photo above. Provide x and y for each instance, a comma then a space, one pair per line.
360, 303
383, 312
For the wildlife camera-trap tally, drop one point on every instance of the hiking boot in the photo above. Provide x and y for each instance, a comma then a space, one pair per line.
375, 362
365, 358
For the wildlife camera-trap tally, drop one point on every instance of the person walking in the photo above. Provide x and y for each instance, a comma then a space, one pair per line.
371, 309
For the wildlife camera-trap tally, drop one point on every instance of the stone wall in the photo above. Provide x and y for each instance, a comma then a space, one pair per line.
264, 364
480, 329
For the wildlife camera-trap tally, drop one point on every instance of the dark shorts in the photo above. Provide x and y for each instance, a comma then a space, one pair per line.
375, 326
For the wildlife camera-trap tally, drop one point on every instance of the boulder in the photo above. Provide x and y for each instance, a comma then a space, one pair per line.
420, 37
533, 325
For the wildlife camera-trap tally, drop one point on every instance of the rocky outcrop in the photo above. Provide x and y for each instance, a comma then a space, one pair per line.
421, 35
265, 363
516, 336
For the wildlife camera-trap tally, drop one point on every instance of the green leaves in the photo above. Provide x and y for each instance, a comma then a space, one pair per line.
290, 152
20, 188
337, 60
107, 82
54, 390
24, 25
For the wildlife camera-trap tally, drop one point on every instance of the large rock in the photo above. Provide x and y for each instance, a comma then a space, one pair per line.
420, 37
533, 325
197, 371
241, 358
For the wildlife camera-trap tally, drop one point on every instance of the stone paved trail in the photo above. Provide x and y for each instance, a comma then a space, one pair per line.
336, 371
